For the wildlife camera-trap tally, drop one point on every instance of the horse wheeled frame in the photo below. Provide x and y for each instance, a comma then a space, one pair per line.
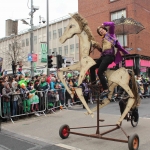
133, 141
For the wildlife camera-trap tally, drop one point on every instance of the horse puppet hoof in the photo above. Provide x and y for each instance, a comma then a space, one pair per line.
89, 113
119, 123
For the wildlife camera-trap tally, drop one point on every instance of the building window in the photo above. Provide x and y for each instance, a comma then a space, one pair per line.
65, 50
54, 34
27, 42
55, 50
71, 48
77, 47
117, 15
64, 28
60, 50
23, 43
60, 32
35, 39
49, 35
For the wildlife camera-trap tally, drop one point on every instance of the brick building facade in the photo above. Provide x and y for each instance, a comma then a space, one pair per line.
98, 11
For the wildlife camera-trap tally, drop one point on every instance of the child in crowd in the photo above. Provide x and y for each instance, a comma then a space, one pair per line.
34, 99
6, 92
25, 96
16, 97
58, 103
51, 99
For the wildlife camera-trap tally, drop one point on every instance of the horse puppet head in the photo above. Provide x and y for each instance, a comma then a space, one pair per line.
75, 26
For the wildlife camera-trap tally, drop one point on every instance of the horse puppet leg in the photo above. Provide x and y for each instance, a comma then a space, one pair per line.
127, 109
80, 95
121, 77
60, 75
86, 63
131, 100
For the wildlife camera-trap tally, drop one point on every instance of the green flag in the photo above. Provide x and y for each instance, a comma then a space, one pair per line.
43, 52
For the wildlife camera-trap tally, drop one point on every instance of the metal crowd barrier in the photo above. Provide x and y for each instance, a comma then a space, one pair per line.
52, 104
22, 107
46, 104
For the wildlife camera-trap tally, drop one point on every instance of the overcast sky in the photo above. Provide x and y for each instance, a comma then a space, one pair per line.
18, 9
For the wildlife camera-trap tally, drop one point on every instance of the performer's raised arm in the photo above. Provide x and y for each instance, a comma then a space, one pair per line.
111, 26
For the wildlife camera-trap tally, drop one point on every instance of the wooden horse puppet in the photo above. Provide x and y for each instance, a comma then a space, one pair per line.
79, 26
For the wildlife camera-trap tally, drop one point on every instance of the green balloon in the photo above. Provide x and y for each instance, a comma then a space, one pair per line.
69, 75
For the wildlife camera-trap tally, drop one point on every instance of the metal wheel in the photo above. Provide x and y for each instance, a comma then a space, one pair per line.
64, 131
133, 142
134, 120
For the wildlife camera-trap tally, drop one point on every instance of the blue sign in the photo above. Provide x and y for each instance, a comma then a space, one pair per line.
29, 57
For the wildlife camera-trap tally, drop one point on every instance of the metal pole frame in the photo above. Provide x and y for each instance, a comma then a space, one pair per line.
31, 39
47, 34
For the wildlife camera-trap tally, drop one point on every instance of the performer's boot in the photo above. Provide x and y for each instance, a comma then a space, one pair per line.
104, 94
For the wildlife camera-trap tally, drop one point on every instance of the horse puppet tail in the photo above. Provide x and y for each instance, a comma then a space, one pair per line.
134, 88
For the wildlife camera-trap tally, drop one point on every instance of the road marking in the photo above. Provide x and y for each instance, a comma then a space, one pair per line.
2, 147
67, 147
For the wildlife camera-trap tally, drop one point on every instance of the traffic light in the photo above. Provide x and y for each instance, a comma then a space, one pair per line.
49, 59
60, 60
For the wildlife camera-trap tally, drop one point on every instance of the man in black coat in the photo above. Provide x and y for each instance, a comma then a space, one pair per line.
14, 67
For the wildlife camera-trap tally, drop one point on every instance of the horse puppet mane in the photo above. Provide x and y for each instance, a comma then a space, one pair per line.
83, 24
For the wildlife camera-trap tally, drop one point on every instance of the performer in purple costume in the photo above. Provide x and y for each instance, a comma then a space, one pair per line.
109, 43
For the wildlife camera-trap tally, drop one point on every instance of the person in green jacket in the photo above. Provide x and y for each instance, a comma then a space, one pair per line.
23, 80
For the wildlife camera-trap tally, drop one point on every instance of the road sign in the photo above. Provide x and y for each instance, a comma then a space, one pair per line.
32, 57
29, 57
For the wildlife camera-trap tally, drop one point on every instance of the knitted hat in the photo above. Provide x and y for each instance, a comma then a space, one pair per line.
23, 85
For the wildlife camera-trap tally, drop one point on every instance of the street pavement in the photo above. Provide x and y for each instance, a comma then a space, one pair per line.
42, 133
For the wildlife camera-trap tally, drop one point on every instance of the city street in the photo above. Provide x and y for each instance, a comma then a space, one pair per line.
51, 51
42, 133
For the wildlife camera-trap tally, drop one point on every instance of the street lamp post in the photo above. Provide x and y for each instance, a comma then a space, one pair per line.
31, 38
33, 9
47, 33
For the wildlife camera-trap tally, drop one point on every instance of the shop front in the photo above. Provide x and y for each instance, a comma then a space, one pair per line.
139, 63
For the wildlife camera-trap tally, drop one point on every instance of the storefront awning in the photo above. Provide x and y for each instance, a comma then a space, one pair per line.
145, 63
129, 63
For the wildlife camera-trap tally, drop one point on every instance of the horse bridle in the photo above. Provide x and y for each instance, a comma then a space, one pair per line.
91, 50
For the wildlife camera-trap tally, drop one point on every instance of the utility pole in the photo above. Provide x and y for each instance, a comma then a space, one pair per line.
31, 38
47, 33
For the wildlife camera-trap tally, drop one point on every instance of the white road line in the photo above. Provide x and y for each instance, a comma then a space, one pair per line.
67, 147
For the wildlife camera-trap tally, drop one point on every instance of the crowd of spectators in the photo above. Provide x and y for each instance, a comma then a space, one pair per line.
22, 94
